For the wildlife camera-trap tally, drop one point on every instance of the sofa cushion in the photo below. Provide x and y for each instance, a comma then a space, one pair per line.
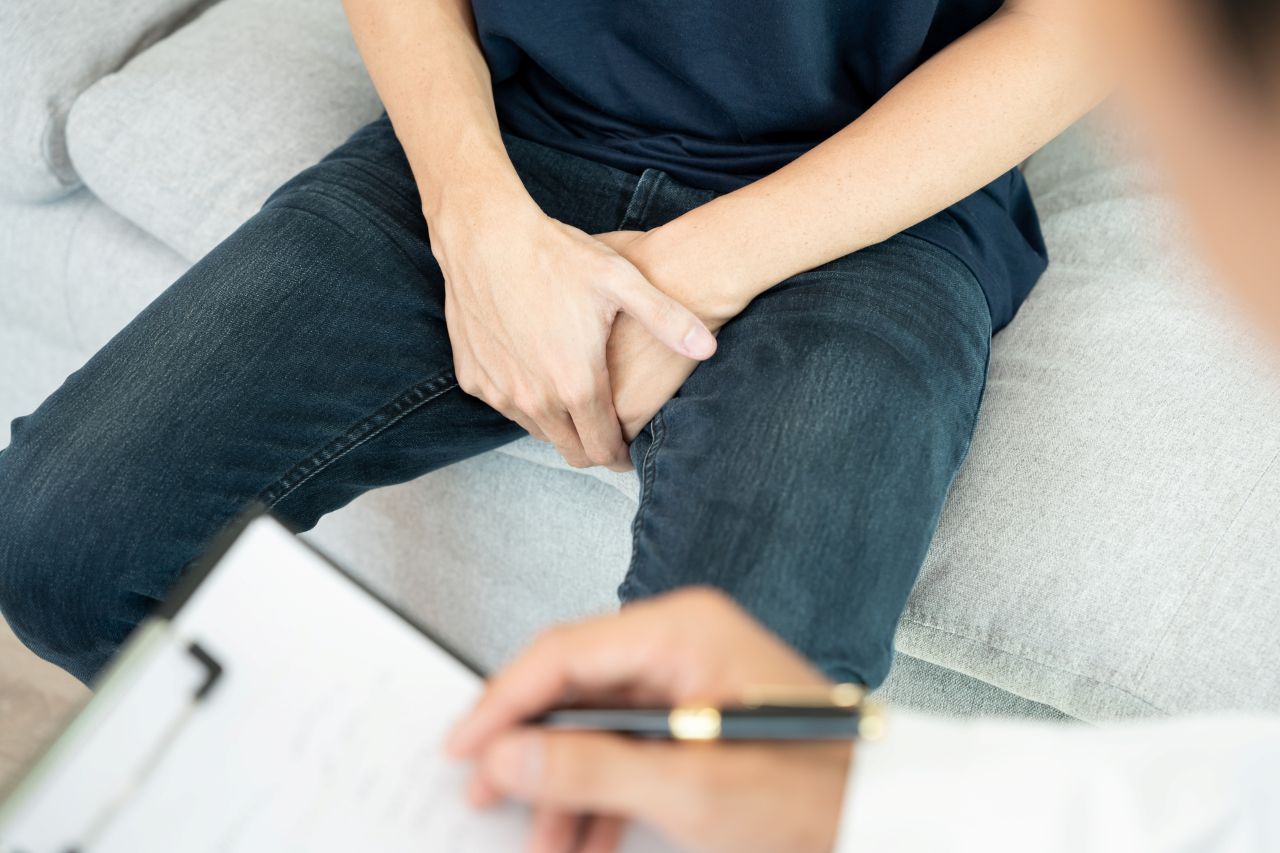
74, 273
53, 50
1110, 548
193, 134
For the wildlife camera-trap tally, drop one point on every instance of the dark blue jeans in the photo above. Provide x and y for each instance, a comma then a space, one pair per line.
305, 360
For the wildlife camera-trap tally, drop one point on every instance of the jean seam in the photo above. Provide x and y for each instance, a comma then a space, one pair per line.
325, 190
369, 169
358, 434
648, 474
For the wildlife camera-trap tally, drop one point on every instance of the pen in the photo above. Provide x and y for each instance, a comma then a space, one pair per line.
764, 714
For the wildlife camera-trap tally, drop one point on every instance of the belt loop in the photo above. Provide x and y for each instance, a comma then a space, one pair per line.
644, 192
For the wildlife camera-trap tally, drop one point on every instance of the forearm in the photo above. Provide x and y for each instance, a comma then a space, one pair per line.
425, 61
961, 120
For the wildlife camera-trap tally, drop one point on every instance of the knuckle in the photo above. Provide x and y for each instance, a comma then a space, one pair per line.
600, 456
614, 267
663, 310
534, 404
466, 379
576, 391
578, 397
529, 412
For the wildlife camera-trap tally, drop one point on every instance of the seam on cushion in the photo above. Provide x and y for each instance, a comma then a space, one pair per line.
1029, 656
66, 277
59, 109
361, 432
1206, 567
58, 117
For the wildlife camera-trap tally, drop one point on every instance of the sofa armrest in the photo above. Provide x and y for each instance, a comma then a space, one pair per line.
53, 51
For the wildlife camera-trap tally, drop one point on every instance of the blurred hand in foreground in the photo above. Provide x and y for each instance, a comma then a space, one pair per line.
690, 646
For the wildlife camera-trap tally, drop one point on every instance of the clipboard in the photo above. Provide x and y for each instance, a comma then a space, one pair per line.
109, 775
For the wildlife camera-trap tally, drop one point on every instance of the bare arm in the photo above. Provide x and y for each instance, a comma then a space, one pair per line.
968, 115
529, 301
426, 64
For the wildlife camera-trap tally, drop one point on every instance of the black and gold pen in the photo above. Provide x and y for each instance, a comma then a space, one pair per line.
763, 714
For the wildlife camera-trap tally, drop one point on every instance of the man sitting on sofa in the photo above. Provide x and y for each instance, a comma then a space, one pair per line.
565, 200
1209, 783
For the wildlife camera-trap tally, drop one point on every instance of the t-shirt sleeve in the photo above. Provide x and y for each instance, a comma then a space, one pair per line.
1197, 783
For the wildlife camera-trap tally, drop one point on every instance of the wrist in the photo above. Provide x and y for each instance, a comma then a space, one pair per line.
690, 271
464, 210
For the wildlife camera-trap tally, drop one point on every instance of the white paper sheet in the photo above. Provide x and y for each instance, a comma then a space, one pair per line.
323, 733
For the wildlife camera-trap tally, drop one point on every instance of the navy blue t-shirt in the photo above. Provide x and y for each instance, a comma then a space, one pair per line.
719, 94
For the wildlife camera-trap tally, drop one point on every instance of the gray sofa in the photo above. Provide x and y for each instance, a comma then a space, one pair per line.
1110, 548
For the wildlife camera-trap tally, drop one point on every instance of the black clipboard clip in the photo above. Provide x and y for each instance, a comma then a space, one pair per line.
116, 802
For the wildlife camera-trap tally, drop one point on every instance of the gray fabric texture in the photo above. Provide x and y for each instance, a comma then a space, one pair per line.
1108, 550
72, 273
190, 138
52, 51
932, 689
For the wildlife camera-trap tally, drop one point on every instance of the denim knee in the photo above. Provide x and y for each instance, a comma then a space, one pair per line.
53, 593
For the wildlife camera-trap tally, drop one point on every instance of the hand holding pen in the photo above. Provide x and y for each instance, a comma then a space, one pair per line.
691, 649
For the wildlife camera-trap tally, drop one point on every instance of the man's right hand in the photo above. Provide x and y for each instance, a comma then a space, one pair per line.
529, 304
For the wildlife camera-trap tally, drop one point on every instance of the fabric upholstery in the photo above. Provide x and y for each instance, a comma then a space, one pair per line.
53, 50
190, 138
72, 272
1110, 548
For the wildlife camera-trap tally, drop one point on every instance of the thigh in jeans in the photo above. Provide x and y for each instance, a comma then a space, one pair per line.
803, 468
302, 362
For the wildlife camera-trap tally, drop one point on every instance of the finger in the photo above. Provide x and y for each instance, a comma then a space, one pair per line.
514, 415
623, 465
589, 772
597, 424
478, 380
524, 421
558, 428
480, 794
602, 834
658, 650
593, 655
553, 831
664, 318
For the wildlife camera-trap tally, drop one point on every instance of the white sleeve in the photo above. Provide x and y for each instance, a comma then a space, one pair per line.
1209, 783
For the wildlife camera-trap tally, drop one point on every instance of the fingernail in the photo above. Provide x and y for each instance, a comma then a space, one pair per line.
515, 763
699, 343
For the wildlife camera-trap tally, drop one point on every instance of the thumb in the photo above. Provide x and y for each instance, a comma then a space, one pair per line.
664, 318
585, 772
